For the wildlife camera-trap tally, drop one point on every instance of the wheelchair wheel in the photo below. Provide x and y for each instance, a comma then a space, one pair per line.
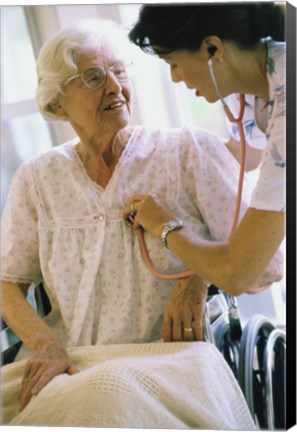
228, 347
274, 363
251, 373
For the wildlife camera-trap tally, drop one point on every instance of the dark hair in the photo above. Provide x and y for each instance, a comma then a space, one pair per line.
179, 26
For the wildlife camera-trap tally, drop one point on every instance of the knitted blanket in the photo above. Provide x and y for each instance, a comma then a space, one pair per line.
155, 385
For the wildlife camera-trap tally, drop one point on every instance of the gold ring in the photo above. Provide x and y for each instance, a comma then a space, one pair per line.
188, 329
132, 207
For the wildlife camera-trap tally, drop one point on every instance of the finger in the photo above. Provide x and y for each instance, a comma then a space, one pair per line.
167, 329
29, 372
132, 222
32, 387
35, 384
187, 319
26, 392
198, 313
177, 330
130, 218
26, 384
198, 330
130, 215
49, 374
43, 380
188, 332
133, 202
25, 398
130, 208
72, 370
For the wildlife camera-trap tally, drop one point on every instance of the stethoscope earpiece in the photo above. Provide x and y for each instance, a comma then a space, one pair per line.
211, 51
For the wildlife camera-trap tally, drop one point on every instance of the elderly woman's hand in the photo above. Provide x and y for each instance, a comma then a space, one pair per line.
151, 211
184, 311
46, 362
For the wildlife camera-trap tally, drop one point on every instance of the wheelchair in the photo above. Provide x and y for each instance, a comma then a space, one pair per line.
255, 354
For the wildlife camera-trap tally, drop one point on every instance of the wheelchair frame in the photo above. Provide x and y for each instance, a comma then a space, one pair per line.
255, 354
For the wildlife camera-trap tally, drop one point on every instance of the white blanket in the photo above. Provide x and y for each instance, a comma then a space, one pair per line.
157, 385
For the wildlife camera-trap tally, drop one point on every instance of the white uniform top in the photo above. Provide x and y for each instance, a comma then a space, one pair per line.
61, 227
270, 193
265, 129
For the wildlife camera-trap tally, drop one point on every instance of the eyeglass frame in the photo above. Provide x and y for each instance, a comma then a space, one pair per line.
106, 69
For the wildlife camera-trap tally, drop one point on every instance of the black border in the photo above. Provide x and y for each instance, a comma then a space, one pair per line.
291, 217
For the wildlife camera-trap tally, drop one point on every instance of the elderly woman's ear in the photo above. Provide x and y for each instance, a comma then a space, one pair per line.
58, 110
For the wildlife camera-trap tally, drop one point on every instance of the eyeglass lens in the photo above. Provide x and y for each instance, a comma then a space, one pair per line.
95, 77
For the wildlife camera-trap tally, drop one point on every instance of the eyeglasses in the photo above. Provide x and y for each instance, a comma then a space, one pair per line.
95, 77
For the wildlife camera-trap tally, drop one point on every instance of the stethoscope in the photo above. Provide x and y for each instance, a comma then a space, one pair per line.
238, 121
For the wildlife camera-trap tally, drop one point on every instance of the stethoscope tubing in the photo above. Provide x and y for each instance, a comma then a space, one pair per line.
238, 121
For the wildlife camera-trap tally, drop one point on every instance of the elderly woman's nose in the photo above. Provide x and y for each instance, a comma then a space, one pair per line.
112, 83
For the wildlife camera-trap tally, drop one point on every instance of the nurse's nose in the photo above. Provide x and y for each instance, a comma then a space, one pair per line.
175, 76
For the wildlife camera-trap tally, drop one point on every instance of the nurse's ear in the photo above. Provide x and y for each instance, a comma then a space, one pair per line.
214, 47
211, 51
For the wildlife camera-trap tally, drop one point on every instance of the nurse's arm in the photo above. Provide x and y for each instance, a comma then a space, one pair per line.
237, 265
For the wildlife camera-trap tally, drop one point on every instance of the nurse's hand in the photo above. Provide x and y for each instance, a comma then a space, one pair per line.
151, 212
184, 311
46, 362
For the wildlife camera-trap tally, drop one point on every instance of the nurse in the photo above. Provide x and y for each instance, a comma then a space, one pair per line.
218, 50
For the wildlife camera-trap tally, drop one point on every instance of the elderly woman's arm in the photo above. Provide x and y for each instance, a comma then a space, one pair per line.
49, 357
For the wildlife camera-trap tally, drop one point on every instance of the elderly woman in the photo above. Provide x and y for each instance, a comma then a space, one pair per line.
63, 225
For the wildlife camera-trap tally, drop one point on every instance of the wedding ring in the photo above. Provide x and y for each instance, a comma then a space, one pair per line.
132, 208
188, 329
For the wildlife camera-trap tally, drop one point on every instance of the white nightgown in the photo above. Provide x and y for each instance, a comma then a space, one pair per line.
62, 228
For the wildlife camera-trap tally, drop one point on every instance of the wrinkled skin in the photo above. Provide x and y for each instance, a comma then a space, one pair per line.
43, 365
185, 310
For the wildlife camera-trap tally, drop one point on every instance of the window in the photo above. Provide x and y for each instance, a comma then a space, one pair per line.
19, 77
23, 131
177, 106
199, 112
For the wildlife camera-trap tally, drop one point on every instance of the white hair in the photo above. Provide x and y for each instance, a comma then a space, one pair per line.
58, 57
